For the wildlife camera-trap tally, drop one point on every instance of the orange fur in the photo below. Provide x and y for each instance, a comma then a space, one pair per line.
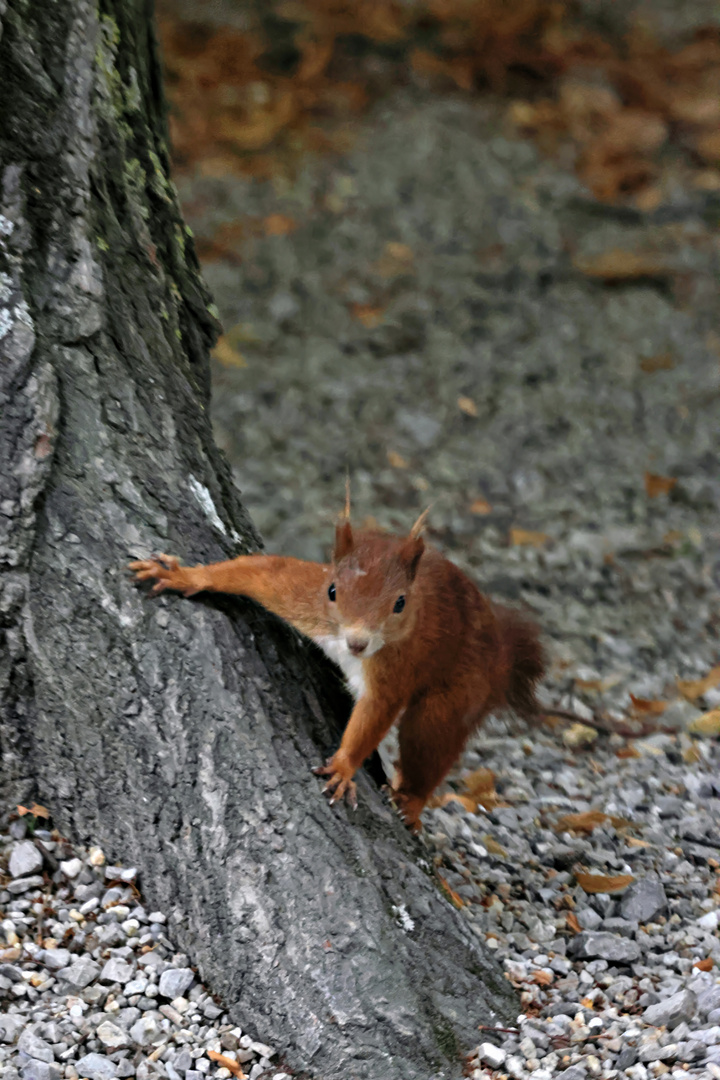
437, 667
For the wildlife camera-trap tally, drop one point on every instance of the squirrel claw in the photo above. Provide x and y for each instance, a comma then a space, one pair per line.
338, 786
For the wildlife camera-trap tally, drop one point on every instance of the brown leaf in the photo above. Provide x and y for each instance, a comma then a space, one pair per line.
708, 724
479, 782
452, 796
396, 460
35, 810
226, 354
584, 822
659, 362
454, 897
648, 706
492, 846
528, 538
227, 1063
695, 688
658, 485
396, 259
279, 225
603, 883
628, 751
634, 841
542, 978
619, 265
705, 965
572, 922
480, 506
369, 315
467, 405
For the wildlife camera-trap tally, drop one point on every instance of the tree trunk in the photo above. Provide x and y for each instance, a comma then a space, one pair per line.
177, 734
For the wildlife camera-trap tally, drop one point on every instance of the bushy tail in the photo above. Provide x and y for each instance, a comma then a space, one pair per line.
524, 660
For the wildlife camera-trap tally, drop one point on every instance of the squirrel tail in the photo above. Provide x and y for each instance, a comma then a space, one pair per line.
524, 660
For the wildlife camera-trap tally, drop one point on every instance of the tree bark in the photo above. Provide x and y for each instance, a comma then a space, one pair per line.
179, 735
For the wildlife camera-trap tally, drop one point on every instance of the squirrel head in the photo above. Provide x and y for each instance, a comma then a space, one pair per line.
370, 596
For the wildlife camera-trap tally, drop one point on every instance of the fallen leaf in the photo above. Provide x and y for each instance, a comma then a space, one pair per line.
279, 225
226, 354
542, 978
658, 485
479, 782
492, 846
634, 841
705, 965
572, 922
368, 315
603, 883
227, 1063
396, 460
578, 735
619, 265
452, 796
648, 706
708, 724
585, 822
659, 362
622, 823
480, 507
628, 751
454, 897
695, 688
35, 810
396, 259
691, 755
467, 405
528, 538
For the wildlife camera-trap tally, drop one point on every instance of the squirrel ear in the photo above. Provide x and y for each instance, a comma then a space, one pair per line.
410, 554
343, 540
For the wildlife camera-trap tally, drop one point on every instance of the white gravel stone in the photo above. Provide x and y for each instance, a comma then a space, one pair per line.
96, 1067
24, 859
71, 867
175, 981
491, 1055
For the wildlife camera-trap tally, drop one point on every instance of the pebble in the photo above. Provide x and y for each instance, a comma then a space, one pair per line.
25, 859
175, 981
672, 1010
644, 900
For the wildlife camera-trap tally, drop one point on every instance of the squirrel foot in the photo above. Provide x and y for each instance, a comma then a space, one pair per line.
409, 807
167, 573
340, 784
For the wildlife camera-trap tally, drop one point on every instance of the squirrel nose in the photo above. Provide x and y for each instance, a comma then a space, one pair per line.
357, 645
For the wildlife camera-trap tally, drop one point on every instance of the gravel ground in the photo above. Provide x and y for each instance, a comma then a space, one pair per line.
444, 259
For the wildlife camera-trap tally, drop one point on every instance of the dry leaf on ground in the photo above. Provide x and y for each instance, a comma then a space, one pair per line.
480, 507
603, 883
397, 460
36, 810
528, 538
648, 706
467, 405
695, 688
658, 485
619, 265
584, 822
708, 724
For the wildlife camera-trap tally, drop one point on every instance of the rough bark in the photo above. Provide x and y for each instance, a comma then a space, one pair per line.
178, 734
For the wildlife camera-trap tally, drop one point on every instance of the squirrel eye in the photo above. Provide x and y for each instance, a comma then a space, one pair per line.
331, 592
399, 605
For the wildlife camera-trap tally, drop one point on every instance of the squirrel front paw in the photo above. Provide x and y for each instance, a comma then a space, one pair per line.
166, 573
341, 783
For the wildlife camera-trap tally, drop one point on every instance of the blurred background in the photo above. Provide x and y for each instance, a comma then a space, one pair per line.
468, 250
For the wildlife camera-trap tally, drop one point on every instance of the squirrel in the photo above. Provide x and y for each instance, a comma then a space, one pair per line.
417, 641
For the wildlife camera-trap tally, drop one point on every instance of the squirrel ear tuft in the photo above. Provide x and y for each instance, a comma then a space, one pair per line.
343, 540
420, 523
410, 554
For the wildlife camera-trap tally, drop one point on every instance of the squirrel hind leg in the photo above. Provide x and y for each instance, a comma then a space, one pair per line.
431, 738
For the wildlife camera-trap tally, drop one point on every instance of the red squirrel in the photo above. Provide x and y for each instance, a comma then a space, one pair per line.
417, 642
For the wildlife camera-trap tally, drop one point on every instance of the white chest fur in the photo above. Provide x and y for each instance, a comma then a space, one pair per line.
352, 666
